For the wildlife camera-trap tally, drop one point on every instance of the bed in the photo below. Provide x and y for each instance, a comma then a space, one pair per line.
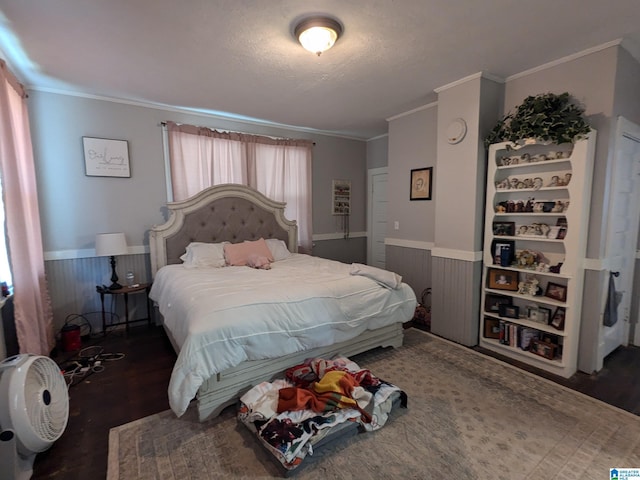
234, 327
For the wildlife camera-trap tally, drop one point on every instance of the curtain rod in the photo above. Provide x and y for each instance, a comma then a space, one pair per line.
164, 124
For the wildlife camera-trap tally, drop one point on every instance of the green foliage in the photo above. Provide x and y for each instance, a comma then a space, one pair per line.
546, 117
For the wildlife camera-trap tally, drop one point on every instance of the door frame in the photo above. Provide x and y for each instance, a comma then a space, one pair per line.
370, 174
623, 128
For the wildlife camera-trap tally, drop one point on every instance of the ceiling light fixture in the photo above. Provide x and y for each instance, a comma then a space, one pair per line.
318, 34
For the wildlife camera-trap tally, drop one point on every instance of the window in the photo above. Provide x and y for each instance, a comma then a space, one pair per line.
278, 168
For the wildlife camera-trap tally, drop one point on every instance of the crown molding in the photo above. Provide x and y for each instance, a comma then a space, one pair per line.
475, 76
410, 112
196, 112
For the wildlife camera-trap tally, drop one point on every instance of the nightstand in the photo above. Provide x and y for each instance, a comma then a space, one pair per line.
125, 292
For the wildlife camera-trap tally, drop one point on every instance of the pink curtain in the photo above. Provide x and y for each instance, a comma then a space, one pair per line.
278, 168
33, 314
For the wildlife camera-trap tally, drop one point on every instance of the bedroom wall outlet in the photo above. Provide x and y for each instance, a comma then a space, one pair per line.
396, 225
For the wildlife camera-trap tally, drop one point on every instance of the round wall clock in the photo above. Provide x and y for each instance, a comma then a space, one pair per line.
456, 131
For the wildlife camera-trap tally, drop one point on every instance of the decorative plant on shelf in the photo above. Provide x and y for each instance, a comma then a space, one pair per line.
547, 118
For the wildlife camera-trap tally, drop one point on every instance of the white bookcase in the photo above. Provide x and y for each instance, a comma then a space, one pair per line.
536, 220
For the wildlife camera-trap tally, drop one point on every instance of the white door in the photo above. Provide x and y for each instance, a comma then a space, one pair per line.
622, 229
377, 218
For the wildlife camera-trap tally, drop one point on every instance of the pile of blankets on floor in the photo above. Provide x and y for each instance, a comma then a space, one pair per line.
316, 399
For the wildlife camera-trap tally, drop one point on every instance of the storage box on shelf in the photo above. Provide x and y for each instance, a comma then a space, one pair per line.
536, 220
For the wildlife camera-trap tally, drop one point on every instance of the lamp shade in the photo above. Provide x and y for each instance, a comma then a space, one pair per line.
111, 244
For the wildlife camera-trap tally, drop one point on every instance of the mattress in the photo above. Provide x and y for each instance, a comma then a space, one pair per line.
221, 317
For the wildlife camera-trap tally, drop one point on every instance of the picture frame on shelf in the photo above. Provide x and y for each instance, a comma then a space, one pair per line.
509, 311
544, 349
503, 279
504, 229
492, 302
538, 314
557, 321
562, 233
504, 252
554, 231
533, 313
544, 315
491, 328
549, 338
421, 183
556, 291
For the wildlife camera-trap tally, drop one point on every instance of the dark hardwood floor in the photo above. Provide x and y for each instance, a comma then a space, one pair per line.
130, 388
136, 386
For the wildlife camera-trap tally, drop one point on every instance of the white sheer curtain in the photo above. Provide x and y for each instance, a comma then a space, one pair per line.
199, 158
278, 168
33, 315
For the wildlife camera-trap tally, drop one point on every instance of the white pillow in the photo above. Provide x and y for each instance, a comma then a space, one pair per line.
278, 249
201, 254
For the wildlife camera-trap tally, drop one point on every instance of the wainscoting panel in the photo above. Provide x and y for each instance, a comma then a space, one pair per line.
455, 302
414, 264
346, 250
72, 287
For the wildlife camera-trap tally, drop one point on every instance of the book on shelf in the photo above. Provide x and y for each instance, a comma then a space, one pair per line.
515, 335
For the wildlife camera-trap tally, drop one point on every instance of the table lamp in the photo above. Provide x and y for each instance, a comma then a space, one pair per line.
111, 244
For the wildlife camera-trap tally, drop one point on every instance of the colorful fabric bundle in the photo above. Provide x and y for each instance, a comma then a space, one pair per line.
314, 369
335, 390
290, 421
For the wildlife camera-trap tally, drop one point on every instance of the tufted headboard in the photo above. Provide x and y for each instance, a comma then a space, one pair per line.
229, 212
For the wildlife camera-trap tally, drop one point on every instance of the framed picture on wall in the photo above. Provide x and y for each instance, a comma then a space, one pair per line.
421, 182
106, 158
341, 193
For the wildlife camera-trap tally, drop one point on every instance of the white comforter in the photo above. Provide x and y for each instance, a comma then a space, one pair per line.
220, 317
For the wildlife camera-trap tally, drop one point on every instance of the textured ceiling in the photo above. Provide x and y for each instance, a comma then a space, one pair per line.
239, 56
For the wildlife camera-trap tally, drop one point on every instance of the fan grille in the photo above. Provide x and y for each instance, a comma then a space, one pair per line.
46, 398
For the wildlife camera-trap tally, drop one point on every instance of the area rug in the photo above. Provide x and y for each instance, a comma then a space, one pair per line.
470, 417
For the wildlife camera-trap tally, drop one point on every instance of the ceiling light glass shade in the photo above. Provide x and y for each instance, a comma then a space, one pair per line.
318, 34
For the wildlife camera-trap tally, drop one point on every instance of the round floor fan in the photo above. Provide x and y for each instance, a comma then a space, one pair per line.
34, 409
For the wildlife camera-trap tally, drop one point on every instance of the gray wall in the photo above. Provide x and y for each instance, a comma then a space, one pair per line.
75, 207
626, 101
595, 92
339, 159
412, 144
605, 82
414, 265
350, 250
457, 220
378, 152
459, 215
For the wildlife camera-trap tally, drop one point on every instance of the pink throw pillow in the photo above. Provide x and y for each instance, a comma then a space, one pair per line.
237, 254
